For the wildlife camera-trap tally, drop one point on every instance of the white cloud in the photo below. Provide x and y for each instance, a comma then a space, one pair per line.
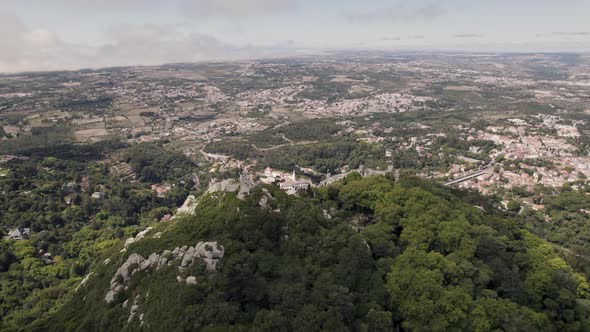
129, 33
234, 8
198, 8
104, 4
26, 49
400, 11
468, 35
572, 33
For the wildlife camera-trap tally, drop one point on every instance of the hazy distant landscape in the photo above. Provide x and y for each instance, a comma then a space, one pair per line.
439, 116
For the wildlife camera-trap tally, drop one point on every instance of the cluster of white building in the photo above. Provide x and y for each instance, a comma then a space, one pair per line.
383, 103
287, 182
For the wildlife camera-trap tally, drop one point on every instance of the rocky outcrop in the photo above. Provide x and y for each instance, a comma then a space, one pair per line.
142, 234
191, 280
125, 271
129, 241
134, 310
263, 202
188, 208
85, 280
137, 237
209, 252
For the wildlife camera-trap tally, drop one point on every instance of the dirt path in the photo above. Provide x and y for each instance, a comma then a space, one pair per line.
286, 144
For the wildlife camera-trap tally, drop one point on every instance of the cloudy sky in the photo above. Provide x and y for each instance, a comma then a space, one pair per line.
71, 34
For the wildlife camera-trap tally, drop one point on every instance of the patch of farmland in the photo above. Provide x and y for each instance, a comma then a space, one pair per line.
90, 134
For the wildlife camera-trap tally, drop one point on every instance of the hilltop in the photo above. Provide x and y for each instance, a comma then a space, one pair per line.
363, 254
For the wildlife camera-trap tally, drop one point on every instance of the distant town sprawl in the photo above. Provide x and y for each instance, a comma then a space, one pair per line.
505, 124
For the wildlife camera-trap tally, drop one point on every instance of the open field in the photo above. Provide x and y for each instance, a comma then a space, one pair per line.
90, 134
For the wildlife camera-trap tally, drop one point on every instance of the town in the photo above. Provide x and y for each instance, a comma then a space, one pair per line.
411, 111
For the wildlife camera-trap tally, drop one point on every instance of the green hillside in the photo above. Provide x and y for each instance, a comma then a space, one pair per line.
365, 254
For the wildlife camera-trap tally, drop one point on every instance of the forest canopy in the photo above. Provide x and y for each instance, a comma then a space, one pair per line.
418, 257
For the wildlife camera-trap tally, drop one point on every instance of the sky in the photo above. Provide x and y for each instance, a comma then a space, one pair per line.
42, 35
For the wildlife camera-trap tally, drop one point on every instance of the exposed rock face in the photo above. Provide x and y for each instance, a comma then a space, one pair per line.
110, 297
191, 280
209, 252
263, 202
138, 237
85, 280
122, 276
189, 206
142, 234
134, 309
129, 241
124, 270
265, 199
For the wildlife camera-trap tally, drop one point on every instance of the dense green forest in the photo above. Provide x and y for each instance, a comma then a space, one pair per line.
39, 139
324, 157
365, 254
52, 195
322, 144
